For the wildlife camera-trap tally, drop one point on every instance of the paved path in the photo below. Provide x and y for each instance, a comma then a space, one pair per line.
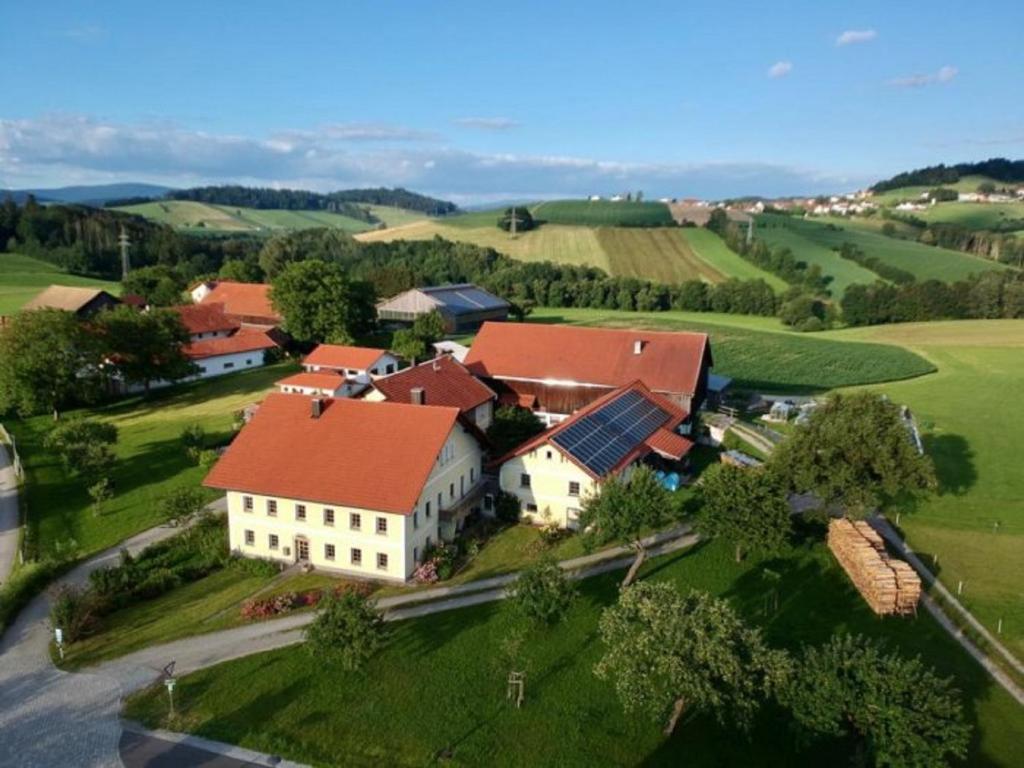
143, 748
8, 514
139, 669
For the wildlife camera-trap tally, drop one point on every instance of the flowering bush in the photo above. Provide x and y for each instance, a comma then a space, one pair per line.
426, 573
268, 607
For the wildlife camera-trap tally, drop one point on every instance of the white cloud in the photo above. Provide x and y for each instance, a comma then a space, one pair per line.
84, 33
60, 149
854, 36
943, 75
780, 69
488, 123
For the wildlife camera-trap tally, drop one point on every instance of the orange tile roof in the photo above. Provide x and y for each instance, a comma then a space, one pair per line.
204, 318
676, 416
360, 454
246, 340
243, 300
342, 356
668, 361
669, 443
444, 381
330, 381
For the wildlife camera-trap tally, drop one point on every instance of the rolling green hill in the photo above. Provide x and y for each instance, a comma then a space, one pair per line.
604, 213
22, 277
814, 241
965, 184
1006, 217
663, 254
206, 217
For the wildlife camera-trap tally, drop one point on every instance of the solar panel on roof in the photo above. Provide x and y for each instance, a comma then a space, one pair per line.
602, 438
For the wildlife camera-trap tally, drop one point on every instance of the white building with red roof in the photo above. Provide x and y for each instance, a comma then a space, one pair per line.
554, 472
246, 303
348, 485
220, 343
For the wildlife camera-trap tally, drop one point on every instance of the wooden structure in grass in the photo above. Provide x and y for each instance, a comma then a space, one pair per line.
890, 586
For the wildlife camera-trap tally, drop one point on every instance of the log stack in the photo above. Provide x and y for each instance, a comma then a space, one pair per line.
890, 586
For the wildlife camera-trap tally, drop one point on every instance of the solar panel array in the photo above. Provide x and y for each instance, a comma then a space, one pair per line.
602, 438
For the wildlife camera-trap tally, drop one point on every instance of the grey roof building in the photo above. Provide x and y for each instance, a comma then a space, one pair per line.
463, 306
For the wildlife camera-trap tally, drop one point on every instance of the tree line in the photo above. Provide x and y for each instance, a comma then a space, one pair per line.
989, 244
347, 201
997, 168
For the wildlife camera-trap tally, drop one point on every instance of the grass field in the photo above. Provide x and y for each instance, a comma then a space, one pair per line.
439, 688
151, 460
767, 361
603, 213
22, 277
191, 215
976, 215
664, 254
925, 262
394, 217
966, 184
973, 430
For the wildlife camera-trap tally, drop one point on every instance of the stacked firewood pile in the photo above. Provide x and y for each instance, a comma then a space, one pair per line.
888, 585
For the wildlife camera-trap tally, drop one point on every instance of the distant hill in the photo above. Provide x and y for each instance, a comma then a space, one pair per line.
996, 169
89, 194
346, 202
208, 218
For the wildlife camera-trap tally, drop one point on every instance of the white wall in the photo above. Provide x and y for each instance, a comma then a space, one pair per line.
237, 361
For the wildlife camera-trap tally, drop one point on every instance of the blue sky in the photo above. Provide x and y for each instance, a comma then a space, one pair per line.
480, 100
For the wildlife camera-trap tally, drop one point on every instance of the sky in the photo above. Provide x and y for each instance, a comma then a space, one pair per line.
478, 101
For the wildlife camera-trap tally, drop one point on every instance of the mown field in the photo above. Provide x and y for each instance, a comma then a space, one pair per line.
282, 702
603, 213
191, 215
22, 277
669, 254
973, 430
151, 460
966, 184
763, 360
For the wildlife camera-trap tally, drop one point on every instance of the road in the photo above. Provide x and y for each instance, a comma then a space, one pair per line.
8, 514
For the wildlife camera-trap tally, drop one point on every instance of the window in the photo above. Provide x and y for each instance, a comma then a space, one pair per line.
427, 543
382, 561
549, 455
329, 551
202, 369
524, 480
328, 516
462, 486
247, 503
273, 541
300, 511
426, 510
451, 490
390, 368
228, 366
574, 488
382, 525
472, 475
272, 507
248, 361
374, 371
531, 507
250, 538
439, 501
415, 521
357, 557
355, 521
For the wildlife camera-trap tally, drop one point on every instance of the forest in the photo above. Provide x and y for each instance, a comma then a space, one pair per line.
997, 169
347, 202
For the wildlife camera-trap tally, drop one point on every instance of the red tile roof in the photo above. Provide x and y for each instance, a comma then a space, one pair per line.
204, 318
360, 454
668, 361
341, 356
444, 381
246, 340
669, 443
330, 381
676, 416
248, 302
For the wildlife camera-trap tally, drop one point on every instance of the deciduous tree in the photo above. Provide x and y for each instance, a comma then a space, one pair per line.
542, 593
666, 654
856, 452
902, 712
320, 304
84, 445
348, 629
512, 427
746, 507
144, 347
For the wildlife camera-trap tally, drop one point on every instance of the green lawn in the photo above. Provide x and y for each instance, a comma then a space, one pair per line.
394, 217
976, 215
713, 250
925, 262
438, 686
972, 427
604, 213
22, 277
762, 360
151, 460
966, 184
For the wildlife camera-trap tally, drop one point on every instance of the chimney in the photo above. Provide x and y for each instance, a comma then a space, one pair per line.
638, 347
317, 407
417, 396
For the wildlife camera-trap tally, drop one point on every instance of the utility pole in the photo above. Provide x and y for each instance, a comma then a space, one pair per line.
750, 230
513, 221
124, 242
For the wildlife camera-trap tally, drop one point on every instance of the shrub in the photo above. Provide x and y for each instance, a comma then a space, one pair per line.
506, 507
542, 592
180, 505
72, 610
207, 459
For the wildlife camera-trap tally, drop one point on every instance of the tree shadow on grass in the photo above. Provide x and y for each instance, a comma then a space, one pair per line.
420, 637
954, 463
